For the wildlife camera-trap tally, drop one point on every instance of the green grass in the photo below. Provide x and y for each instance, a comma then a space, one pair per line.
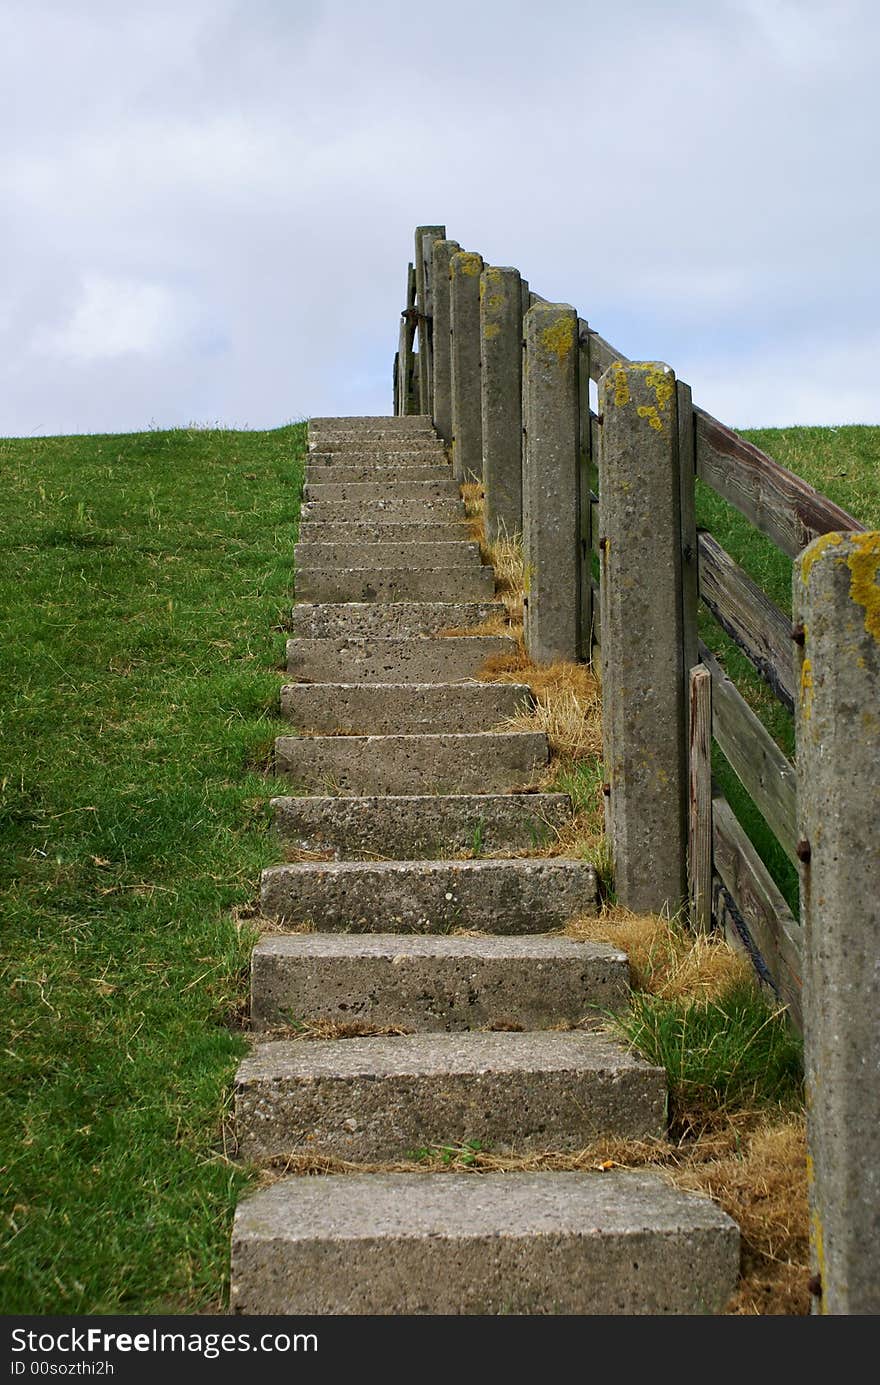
844, 464
145, 583
730, 1053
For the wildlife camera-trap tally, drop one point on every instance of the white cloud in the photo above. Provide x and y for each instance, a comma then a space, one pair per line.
115, 317
694, 178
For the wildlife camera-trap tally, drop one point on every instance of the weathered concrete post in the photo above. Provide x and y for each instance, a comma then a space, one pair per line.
441, 393
501, 328
425, 236
836, 601
465, 269
644, 712
551, 514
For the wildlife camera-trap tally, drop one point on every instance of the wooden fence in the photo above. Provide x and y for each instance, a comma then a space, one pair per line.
620, 574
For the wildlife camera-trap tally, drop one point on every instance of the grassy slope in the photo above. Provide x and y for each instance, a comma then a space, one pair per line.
144, 579
844, 464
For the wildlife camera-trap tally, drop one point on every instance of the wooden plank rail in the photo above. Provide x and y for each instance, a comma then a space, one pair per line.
758, 905
754, 622
778, 503
767, 775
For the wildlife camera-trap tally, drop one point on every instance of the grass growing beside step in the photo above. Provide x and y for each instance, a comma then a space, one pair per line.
142, 578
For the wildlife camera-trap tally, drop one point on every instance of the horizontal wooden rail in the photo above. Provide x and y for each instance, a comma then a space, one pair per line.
750, 618
779, 504
750, 899
767, 775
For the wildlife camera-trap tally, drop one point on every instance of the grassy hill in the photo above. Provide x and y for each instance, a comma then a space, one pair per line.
145, 586
145, 583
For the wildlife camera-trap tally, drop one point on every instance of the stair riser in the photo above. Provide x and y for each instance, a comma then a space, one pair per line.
514, 897
373, 555
416, 531
420, 827
339, 445
388, 508
370, 491
395, 584
286, 1103
354, 423
407, 765
393, 619
511, 983
376, 709
441, 660
388, 476
484, 1245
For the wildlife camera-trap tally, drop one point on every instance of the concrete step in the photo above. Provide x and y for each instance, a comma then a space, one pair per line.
380, 1098
403, 619
388, 472
389, 475
388, 508
370, 491
521, 895
395, 584
354, 423
415, 531
618, 1243
427, 984
420, 826
341, 443
479, 763
373, 709
449, 553
444, 659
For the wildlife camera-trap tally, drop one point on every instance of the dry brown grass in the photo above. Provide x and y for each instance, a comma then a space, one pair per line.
665, 959
567, 701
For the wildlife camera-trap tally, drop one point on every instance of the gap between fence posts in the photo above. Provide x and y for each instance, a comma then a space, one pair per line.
501, 328
643, 704
836, 604
441, 393
551, 479
465, 269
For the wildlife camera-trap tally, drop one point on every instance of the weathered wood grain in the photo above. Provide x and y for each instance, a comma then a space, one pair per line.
750, 618
756, 904
700, 798
585, 470
688, 524
602, 353
779, 504
769, 778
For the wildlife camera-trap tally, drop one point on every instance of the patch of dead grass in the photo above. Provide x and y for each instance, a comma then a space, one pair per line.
665, 958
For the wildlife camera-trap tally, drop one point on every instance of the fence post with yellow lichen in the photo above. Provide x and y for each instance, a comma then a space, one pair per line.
836, 602
551, 482
501, 328
644, 711
465, 269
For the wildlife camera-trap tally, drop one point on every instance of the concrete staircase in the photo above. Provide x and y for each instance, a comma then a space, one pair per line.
395, 773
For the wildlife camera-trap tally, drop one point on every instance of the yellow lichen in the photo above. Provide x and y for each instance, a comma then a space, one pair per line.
621, 385
650, 413
490, 330
559, 338
663, 385
814, 552
466, 262
864, 564
817, 1231
807, 688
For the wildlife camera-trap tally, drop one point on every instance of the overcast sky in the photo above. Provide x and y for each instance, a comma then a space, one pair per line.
209, 205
